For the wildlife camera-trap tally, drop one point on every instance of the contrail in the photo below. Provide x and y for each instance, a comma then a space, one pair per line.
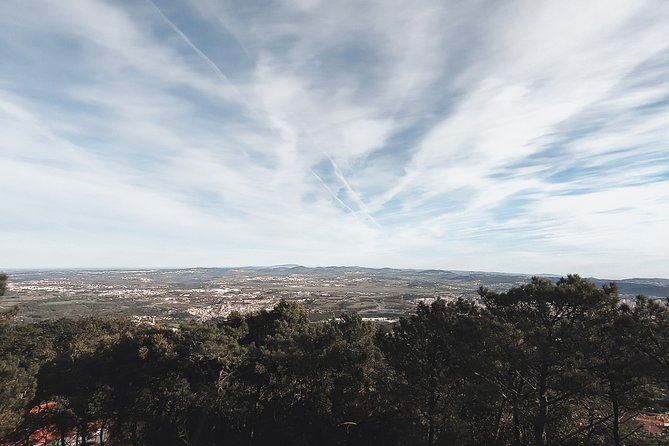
229, 31
222, 75
339, 200
340, 176
185, 38
351, 191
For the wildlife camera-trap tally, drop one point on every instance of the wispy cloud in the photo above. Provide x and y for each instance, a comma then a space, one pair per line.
515, 136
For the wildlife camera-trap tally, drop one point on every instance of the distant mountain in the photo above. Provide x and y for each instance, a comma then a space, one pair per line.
190, 277
647, 287
654, 287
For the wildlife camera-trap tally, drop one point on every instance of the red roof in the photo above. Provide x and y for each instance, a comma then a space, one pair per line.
47, 434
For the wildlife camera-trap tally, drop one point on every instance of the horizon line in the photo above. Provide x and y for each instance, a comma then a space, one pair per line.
295, 265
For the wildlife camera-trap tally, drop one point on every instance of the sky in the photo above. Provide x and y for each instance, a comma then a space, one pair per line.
515, 136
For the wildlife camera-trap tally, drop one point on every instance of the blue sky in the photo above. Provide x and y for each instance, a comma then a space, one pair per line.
516, 136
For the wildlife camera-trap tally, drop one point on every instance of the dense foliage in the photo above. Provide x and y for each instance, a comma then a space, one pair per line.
542, 364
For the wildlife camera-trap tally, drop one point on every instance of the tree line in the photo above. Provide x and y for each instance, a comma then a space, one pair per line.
543, 363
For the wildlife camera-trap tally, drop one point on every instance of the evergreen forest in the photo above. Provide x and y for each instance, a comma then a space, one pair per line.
544, 363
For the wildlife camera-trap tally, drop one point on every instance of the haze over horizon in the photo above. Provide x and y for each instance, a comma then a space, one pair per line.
264, 268
487, 136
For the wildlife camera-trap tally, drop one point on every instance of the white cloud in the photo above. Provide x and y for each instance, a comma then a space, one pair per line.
429, 134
